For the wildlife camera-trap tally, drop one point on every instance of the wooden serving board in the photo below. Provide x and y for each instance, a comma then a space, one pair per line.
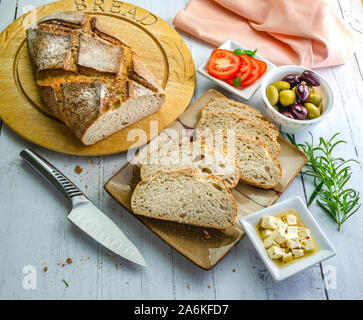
205, 247
159, 46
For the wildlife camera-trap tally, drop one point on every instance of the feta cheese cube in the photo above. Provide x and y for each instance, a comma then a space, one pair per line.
308, 244
280, 224
290, 219
304, 234
292, 232
297, 253
266, 233
287, 257
268, 242
293, 243
268, 222
275, 252
279, 235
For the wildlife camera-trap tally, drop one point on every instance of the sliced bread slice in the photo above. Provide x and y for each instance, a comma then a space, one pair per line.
241, 109
186, 197
222, 121
257, 168
194, 155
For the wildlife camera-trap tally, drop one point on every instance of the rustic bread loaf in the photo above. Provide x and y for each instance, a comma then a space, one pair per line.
197, 156
241, 109
90, 79
222, 121
257, 168
184, 196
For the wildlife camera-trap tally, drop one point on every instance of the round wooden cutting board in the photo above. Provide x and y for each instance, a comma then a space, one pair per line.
159, 46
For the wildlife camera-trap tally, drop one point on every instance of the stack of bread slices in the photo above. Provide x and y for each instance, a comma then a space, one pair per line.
190, 182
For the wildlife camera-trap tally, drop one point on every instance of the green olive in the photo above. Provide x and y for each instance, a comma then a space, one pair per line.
314, 98
294, 89
287, 97
313, 110
320, 107
276, 108
272, 94
281, 85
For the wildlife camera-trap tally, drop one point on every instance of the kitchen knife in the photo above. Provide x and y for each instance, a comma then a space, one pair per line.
84, 214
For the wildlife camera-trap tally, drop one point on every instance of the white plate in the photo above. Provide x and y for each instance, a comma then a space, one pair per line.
246, 93
326, 249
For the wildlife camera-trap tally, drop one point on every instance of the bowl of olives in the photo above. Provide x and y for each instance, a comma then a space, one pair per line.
296, 98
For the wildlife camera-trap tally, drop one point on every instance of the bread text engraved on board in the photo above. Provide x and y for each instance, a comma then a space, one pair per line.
117, 7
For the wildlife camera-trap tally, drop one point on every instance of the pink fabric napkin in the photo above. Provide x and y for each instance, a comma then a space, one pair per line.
302, 32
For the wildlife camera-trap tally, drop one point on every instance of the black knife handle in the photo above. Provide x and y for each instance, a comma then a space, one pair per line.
51, 174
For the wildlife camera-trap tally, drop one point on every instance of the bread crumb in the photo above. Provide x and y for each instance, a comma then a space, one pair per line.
45, 268
69, 260
234, 270
78, 169
207, 236
208, 286
86, 186
63, 265
188, 287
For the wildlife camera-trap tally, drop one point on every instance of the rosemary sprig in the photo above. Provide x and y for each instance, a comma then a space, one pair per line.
329, 175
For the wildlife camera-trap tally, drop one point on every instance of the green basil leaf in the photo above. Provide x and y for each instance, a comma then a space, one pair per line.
237, 52
237, 82
249, 52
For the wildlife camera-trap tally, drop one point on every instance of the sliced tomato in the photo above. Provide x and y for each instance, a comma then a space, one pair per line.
242, 75
223, 64
245, 63
254, 75
262, 65
245, 71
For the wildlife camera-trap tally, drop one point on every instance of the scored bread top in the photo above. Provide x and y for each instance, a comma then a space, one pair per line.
222, 121
99, 55
76, 57
49, 50
241, 109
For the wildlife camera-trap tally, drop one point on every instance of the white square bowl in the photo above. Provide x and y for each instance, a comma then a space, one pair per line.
249, 91
326, 249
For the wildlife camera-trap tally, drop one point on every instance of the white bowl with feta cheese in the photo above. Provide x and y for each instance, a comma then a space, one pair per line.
287, 243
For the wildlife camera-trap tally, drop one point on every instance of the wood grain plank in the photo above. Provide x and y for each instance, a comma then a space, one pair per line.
35, 216
188, 281
9, 9
347, 241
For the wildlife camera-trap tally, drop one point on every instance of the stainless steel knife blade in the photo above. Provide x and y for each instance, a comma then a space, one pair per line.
84, 214
92, 221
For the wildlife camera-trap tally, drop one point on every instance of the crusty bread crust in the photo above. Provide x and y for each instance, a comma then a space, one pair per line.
220, 115
239, 108
76, 57
210, 179
266, 153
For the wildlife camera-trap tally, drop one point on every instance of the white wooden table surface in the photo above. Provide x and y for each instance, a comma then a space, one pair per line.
34, 230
